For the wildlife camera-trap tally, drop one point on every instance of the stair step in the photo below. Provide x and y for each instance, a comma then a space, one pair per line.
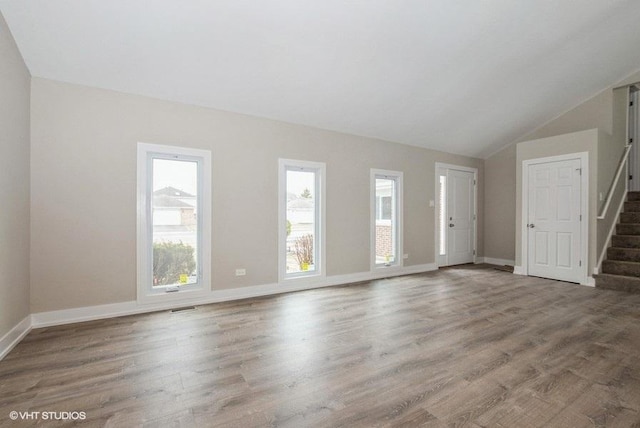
617, 267
633, 196
632, 207
618, 282
625, 241
629, 217
623, 254
628, 229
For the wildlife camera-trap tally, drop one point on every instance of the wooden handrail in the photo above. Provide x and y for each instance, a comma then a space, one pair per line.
621, 166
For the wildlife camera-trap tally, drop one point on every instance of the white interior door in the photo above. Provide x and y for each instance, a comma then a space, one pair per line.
460, 212
553, 220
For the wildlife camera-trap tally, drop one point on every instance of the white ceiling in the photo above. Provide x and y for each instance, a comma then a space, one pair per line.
462, 76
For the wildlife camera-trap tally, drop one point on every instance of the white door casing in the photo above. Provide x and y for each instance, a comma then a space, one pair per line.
457, 227
460, 217
554, 218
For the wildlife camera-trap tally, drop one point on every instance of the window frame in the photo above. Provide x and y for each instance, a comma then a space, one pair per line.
319, 168
146, 293
397, 176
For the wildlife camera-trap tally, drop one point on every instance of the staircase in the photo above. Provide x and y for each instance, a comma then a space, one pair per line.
621, 269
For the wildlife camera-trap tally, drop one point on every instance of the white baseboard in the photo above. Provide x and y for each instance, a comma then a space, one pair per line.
89, 313
589, 282
494, 261
518, 270
14, 336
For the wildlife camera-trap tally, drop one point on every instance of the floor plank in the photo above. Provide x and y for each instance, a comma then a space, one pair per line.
463, 346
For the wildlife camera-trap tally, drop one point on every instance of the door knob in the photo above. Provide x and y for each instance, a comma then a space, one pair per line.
451, 224
531, 225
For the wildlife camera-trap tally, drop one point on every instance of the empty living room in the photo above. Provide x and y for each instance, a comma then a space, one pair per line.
305, 213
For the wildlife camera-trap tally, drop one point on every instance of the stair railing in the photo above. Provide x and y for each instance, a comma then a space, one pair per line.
621, 167
605, 208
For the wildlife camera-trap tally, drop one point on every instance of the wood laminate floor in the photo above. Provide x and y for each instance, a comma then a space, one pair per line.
468, 346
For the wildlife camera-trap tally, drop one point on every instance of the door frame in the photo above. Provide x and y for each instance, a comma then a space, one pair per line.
437, 210
584, 208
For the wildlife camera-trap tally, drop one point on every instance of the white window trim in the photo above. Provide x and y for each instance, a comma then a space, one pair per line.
145, 293
398, 176
320, 206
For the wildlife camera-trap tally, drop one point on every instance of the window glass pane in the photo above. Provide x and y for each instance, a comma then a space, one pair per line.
387, 208
386, 226
301, 221
174, 205
443, 215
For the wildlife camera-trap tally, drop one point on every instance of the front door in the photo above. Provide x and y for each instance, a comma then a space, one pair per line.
460, 212
553, 220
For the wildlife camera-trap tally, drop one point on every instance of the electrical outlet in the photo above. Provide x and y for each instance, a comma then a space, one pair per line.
241, 272
406, 256
432, 203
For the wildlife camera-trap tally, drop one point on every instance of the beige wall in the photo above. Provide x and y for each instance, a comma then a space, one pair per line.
500, 204
14, 183
595, 112
84, 191
610, 150
583, 141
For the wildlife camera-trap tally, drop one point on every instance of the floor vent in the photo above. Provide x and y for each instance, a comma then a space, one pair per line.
186, 308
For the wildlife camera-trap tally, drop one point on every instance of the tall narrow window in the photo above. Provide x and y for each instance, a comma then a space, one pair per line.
386, 219
173, 221
301, 219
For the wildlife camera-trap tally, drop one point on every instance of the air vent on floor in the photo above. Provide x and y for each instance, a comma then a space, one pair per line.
186, 308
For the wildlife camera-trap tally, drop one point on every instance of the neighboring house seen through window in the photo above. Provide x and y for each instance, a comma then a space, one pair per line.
301, 219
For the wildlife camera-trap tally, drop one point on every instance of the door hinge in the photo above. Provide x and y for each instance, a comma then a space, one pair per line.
580, 217
474, 182
474, 252
630, 140
630, 103
630, 177
579, 170
580, 263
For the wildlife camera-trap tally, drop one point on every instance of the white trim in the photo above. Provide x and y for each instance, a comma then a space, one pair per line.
448, 166
67, 316
144, 295
320, 169
398, 176
590, 282
518, 270
584, 208
494, 261
14, 336
603, 252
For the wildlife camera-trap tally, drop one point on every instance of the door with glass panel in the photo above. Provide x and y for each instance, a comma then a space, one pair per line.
456, 215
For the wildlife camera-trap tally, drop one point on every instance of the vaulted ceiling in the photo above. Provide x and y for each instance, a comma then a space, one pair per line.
463, 76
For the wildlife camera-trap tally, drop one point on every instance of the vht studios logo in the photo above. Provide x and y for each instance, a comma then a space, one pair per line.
48, 416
